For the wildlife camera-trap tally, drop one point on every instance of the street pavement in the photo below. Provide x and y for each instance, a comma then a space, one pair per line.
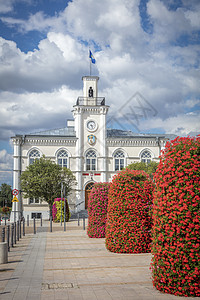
70, 265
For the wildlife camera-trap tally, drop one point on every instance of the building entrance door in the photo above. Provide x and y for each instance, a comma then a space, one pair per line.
88, 189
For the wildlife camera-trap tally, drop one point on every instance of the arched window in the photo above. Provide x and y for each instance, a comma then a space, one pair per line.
33, 155
62, 158
91, 160
146, 157
90, 92
119, 159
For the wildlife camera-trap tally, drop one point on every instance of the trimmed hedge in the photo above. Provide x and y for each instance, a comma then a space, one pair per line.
129, 222
56, 210
97, 210
176, 219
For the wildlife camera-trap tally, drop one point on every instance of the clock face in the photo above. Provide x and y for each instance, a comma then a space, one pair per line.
91, 125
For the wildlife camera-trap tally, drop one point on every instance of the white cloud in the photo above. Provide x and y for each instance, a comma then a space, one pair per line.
6, 165
182, 124
8, 5
48, 79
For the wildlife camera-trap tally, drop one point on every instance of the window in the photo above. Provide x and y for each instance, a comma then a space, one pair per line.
33, 155
62, 158
91, 160
34, 200
36, 215
146, 157
119, 159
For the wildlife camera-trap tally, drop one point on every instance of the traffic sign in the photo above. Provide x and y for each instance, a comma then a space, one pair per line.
15, 199
15, 192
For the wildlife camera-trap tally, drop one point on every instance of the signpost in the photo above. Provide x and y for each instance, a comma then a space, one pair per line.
15, 192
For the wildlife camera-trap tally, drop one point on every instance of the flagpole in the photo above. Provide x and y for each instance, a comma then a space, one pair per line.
90, 62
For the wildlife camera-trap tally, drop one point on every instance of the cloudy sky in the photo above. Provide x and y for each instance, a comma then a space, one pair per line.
147, 56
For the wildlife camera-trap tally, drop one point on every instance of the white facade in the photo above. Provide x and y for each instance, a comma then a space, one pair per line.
93, 152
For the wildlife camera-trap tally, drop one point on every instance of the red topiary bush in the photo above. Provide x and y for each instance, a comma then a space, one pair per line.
97, 210
176, 219
128, 228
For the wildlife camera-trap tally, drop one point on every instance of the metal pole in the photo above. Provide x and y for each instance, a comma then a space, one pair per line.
41, 221
23, 227
64, 211
5, 220
51, 224
34, 227
83, 222
27, 220
14, 212
8, 237
18, 230
3, 235
61, 203
15, 240
0, 219
12, 235
78, 220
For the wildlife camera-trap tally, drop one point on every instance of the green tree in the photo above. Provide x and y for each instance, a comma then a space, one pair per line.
149, 168
43, 178
5, 195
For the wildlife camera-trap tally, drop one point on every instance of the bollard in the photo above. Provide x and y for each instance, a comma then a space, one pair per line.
3, 235
23, 227
8, 237
83, 223
12, 235
15, 239
78, 220
41, 221
64, 222
27, 220
34, 226
50, 224
3, 253
18, 230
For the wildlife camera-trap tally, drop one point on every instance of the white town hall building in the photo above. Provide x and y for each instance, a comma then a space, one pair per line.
93, 152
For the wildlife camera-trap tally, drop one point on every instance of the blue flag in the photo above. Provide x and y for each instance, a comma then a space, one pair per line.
92, 57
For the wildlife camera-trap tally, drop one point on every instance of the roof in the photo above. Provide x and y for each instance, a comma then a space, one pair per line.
118, 133
111, 133
66, 131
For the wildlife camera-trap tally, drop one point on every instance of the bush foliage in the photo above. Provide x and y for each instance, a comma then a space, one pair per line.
129, 222
56, 210
97, 210
176, 219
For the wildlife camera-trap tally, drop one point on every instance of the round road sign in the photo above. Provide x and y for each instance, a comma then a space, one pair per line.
15, 192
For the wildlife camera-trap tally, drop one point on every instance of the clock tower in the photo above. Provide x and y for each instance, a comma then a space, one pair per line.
90, 125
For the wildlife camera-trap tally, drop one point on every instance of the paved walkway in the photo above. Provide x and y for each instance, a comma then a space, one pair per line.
69, 265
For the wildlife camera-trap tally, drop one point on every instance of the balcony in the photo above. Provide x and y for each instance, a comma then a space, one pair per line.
90, 101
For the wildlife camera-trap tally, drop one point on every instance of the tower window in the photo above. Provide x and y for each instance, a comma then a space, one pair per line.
119, 160
146, 157
62, 158
91, 160
90, 92
33, 155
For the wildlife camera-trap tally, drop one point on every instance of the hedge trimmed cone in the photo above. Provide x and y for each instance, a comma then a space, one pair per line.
129, 222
